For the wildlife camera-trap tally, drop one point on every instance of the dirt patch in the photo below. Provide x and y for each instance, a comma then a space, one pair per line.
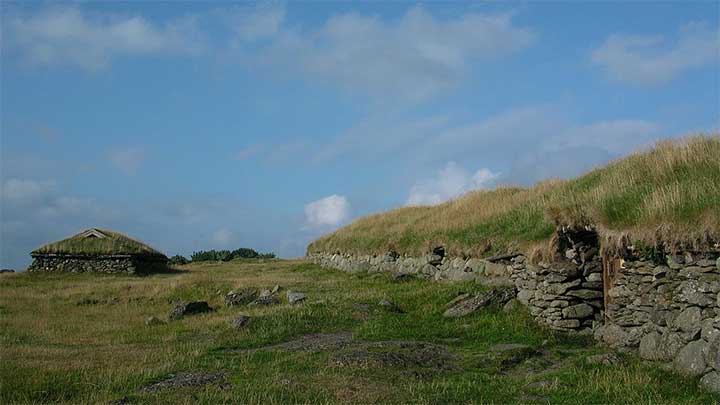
397, 354
348, 352
193, 379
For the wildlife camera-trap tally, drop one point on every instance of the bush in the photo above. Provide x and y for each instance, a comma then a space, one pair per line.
226, 255
178, 260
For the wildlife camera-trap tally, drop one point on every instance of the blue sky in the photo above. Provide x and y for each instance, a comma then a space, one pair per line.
218, 125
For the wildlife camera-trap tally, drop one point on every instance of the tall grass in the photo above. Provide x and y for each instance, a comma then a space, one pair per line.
667, 195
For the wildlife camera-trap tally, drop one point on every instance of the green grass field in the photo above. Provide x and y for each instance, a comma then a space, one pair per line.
82, 338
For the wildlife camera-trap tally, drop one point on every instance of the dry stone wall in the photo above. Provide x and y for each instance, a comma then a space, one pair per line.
668, 308
97, 264
669, 311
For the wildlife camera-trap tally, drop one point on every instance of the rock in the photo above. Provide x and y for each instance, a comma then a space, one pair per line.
470, 305
295, 297
649, 346
578, 311
690, 360
460, 297
242, 297
265, 293
711, 382
689, 320
391, 307
566, 323
189, 308
511, 305
614, 336
275, 289
585, 294
608, 359
154, 321
265, 300
712, 353
240, 321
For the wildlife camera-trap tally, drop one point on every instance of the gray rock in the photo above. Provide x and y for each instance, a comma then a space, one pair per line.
712, 353
650, 345
566, 323
472, 304
614, 336
578, 311
240, 321
689, 320
690, 360
585, 294
295, 297
711, 382
608, 359
189, 308
154, 321
511, 305
242, 297
391, 307
275, 289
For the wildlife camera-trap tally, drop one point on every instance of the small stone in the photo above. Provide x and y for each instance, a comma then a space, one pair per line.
154, 321
578, 311
511, 305
608, 359
649, 346
391, 307
242, 297
240, 321
585, 294
275, 289
295, 297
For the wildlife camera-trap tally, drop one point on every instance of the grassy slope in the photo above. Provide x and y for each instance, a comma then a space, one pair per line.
55, 350
670, 194
114, 243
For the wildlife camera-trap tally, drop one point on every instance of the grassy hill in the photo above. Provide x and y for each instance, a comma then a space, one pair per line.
669, 196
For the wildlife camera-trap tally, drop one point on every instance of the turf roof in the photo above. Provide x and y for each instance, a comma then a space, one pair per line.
94, 242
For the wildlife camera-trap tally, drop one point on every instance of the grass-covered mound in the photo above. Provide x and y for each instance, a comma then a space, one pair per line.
108, 243
667, 196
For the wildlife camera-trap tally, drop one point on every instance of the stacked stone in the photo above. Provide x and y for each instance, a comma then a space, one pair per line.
96, 264
433, 266
566, 295
671, 311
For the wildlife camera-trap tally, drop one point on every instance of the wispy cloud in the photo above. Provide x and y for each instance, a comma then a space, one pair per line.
653, 59
67, 36
127, 159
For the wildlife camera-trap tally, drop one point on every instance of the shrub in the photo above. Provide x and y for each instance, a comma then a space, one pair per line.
178, 260
226, 255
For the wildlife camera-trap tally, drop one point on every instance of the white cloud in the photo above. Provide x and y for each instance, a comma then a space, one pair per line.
329, 211
67, 36
264, 20
450, 182
127, 159
412, 57
24, 190
652, 59
222, 237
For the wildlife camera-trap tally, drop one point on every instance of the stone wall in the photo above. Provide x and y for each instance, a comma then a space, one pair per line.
669, 309
97, 264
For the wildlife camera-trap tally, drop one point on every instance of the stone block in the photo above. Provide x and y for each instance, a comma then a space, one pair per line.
578, 311
690, 360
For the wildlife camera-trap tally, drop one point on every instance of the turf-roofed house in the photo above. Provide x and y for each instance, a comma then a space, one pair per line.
98, 251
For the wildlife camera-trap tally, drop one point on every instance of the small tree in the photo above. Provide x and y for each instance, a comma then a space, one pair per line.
178, 260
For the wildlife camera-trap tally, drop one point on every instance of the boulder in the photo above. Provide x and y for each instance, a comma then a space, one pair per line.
690, 360
189, 308
465, 307
294, 297
688, 320
649, 346
585, 294
391, 307
711, 382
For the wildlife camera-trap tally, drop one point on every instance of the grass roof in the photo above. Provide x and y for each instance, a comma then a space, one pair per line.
108, 243
668, 195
